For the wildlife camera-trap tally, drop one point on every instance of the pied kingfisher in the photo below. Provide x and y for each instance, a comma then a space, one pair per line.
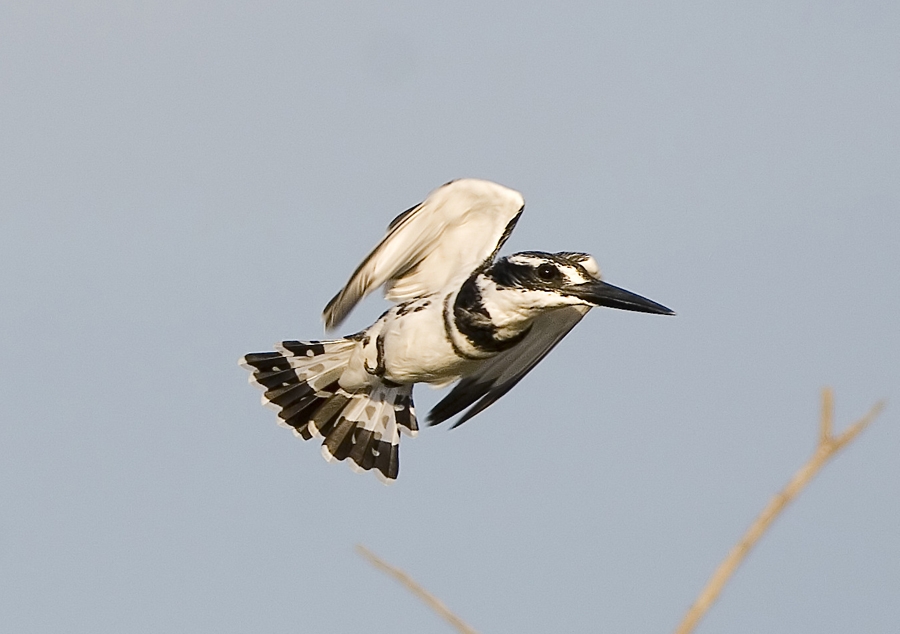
463, 315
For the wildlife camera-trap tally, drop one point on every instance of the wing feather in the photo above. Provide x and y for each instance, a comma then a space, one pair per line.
433, 244
497, 376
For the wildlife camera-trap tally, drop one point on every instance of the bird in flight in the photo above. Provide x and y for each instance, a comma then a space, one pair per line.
462, 315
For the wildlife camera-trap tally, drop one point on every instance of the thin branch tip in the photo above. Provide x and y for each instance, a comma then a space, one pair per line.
436, 605
827, 425
828, 445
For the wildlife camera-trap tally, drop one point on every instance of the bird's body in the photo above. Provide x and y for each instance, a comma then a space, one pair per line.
464, 315
408, 344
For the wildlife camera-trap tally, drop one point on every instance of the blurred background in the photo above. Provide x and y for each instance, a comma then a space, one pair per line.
182, 183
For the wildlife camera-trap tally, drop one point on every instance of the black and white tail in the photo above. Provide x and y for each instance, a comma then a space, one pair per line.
301, 384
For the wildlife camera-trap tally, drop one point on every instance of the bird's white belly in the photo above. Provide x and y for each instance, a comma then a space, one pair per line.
417, 349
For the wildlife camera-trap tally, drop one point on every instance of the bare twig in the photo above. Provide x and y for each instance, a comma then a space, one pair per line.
427, 598
827, 447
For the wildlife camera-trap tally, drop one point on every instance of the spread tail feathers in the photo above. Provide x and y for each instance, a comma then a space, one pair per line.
301, 384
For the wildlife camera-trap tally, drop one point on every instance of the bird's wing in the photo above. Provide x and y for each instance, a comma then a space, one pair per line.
427, 247
497, 376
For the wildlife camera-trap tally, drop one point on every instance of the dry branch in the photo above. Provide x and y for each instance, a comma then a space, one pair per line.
827, 447
829, 444
429, 599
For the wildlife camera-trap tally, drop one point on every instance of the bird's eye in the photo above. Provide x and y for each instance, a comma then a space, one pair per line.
547, 272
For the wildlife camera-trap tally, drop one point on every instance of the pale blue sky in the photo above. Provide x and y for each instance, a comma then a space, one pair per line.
181, 183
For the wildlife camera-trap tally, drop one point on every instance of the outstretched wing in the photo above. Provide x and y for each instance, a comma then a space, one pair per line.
431, 245
497, 376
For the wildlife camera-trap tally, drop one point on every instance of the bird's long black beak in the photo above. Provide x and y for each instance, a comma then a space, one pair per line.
603, 294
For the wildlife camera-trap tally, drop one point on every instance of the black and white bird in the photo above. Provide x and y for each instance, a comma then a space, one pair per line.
463, 314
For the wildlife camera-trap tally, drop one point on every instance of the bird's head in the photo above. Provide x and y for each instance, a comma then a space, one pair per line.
536, 281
